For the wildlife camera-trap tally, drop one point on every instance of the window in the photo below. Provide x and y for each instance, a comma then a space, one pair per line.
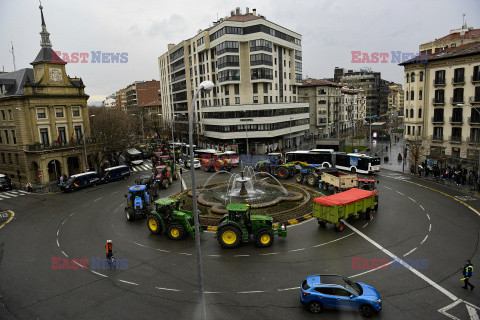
437, 133
419, 130
412, 77
458, 95
265, 88
3, 157
476, 73
237, 100
421, 76
236, 88
227, 46
457, 115
265, 99
408, 78
255, 99
62, 136
440, 77
408, 130
227, 101
456, 134
40, 113
229, 75
459, 75
255, 88
438, 115
439, 96
7, 138
420, 112
59, 112
1, 138
261, 73
76, 111
44, 137
14, 137
411, 113
420, 95
78, 133
412, 95
298, 66
10, 116
227, 61
260, 58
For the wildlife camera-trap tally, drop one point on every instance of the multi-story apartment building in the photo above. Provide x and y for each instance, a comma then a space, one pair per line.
396, 98
43, 119
121, 99
374, 87
332, 107
457, 37
442, 101
256, 66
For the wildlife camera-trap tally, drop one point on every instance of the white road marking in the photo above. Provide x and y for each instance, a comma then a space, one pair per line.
415, 271
428, 216
58, 244
185, 254
80, 265
387, 188
22, 191
4, 196
366, 224
423, 208
14, 192
211, 292
72, 214
472, 313
286, 289
100, 274
58, 231
85, 205
400, 193
139, 244
412, 199
115, 192
64, 254
98, 199
425, 239
242, 255
135, 284
184, 185
322, 244
161, 250
258, 291
268, 254
371, 270
430, 227
11, 194
168, 289
406, 254
295, 250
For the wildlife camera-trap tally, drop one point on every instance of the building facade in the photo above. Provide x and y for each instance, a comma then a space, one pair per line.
396, 98
442, 102
43, 119
254, 64
457, 37
374, 87
121, 99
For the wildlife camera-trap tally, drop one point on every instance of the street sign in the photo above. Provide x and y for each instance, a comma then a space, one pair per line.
88, 168
40, 175
355, 151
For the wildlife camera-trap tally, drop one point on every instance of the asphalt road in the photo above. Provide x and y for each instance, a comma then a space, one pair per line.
418, 221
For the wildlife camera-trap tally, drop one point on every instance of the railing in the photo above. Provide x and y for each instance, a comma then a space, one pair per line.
473, 140
475, 120
439, 82
456, 120
474, 99
437, 120
458, 80
475, 78
438, 100
456, 100
455, 139
57, 145
437, 138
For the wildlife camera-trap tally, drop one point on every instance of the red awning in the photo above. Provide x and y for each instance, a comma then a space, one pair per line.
343, 198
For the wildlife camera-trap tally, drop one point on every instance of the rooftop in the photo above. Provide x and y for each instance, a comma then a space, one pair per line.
449, 53
319, 82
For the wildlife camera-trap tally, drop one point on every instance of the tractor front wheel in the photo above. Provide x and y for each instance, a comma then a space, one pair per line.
175, 231
264, 238
128, 214
282, 172
299, 178
312, 180
229, 237
154, 224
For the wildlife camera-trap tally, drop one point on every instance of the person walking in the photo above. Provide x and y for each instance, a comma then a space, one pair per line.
468, 273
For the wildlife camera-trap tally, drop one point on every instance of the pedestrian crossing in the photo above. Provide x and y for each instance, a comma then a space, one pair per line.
12, 194
142, 167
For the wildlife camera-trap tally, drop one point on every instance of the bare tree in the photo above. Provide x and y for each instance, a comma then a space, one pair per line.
112, 130
416, 150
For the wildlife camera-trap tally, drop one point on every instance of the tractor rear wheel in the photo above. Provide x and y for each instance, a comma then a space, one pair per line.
299, 178
324, 186
264, 238
265, 169
165, 184
175, 231
128, 214
282, 172
339, 227
229, 237
154, 224
312, 180
322, 224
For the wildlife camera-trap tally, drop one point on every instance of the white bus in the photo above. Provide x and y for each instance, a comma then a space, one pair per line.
355, 162
321, 157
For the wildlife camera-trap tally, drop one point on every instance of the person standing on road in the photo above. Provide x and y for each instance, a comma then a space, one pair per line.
467, 273
109, 249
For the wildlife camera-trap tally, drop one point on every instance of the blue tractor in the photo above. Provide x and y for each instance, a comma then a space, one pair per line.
138, 202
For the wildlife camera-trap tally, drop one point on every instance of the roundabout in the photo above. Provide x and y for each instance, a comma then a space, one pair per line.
413, 229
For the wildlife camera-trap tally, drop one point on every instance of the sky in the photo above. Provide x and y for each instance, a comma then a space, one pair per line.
142, 29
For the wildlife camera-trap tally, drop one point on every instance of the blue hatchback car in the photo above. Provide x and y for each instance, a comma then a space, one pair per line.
334, 291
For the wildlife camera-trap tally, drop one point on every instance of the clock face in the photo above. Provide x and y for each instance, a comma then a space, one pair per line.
56, 75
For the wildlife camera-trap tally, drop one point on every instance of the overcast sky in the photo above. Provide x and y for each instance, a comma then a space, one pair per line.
331, 30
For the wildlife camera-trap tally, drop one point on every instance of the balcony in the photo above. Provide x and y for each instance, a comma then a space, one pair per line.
438, 100
455, 139
57, 145
437, 120
475, 78
458, 80
456, 120
437, 138
473, 140
474, 100
439, 82
455, 100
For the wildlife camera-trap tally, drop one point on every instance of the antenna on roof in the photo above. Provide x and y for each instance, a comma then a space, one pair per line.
464, 24
13, 56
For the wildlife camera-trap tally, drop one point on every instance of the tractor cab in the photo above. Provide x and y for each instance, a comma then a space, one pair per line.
367, 184
166, 206
275, 158
240, 213
138, 196
159, 172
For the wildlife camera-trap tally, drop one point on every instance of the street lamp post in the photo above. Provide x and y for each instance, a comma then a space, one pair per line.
246, 128
205, 85
84, 147
290, 138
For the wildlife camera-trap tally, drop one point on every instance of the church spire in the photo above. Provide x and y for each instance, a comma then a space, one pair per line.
45, 43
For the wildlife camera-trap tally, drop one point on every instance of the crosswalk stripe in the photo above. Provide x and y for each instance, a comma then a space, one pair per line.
24, 192
14, 192
3, 196
11, 194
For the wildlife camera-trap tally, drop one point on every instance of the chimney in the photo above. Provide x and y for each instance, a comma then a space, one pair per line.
247, 11
237, 10
232, 13
254, 12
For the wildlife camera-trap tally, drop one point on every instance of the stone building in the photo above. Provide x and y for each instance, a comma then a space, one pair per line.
43, 119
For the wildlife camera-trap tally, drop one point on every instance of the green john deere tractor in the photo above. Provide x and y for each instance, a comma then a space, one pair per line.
238, 224
168, 217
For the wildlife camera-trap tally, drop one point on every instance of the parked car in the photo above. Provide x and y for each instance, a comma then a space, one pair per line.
115, 173
5, 182
196, 163
334, 291
80, 181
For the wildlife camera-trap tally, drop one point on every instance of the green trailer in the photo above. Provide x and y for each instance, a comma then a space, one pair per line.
351, 203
